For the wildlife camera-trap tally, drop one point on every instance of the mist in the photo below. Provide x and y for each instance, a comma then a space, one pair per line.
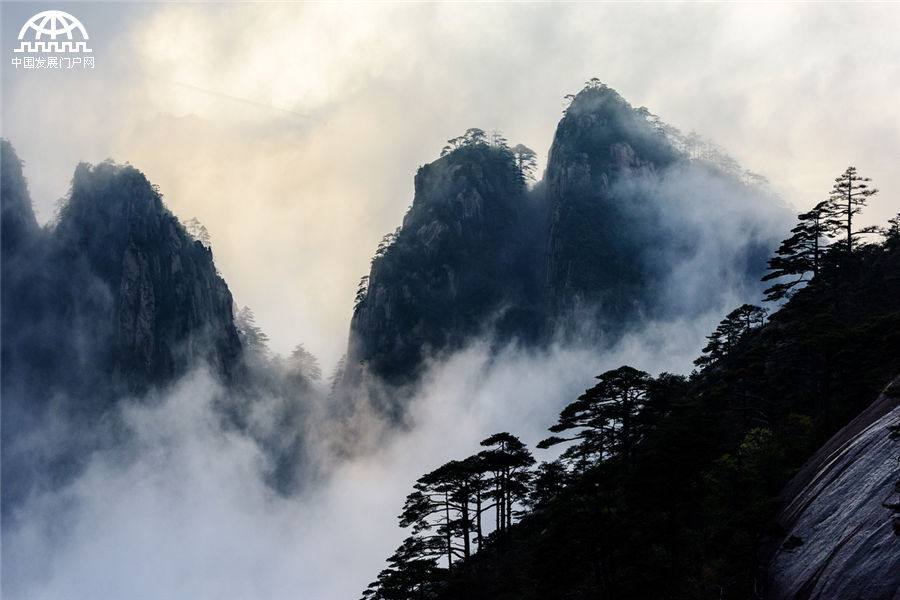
183, 508
712, 231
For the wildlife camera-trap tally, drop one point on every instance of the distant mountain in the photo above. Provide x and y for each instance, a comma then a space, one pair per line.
631, 221
461, 265
116, 288
600, 230
645, 223
113, 299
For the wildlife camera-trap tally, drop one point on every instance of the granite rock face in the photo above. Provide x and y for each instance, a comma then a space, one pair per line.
596, 237
457, 263
114, 298
170, 308
842, 540
623, 228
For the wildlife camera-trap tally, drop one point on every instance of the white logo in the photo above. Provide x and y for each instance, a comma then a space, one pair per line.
48, 34
45, 27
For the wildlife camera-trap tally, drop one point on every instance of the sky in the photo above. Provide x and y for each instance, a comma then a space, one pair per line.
293, 130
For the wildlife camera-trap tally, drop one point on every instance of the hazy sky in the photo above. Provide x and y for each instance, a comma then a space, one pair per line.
293, 131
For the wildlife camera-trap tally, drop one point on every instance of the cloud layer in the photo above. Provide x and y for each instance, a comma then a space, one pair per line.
182, 510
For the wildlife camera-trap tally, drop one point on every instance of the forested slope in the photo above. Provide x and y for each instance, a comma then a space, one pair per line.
669, 486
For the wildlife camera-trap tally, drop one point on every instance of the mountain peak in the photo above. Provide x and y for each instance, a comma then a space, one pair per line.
589, 252
596, 97
18, 220
120, 260
432, 286
468, 180
602, 128
112, 196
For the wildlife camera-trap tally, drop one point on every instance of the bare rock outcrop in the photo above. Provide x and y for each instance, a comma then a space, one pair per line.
842, 541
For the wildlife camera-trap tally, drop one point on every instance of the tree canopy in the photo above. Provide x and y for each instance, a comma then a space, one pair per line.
847, 199
730, 331
802, 253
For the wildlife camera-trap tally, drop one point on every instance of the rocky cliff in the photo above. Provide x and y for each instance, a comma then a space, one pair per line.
597, 240
167, 305
625, 226
117, 291
459, 265
636, 210
842, 540
114, 299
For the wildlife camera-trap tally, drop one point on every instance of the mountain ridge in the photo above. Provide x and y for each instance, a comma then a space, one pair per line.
111, 301
594, 248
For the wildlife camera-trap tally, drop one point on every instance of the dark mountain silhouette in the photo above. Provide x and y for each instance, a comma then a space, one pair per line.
597, 237
19, 227
114, 299
459, 259
617, 232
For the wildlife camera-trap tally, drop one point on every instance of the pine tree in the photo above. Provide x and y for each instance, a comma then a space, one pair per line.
550, 478
891, 233
603, 419
801, 254
729, 332
303, 364
509, 460
254, 340
526, 161
848, 196
197, 230
412, 572
440, 508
